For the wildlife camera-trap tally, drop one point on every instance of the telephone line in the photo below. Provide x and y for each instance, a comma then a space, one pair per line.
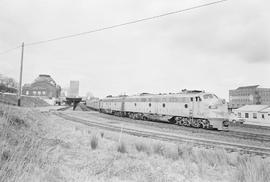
117, 25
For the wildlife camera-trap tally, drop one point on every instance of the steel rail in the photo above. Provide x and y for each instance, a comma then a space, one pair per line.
247, 149
231, 133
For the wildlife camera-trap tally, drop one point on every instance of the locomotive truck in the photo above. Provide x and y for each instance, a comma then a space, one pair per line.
197, 109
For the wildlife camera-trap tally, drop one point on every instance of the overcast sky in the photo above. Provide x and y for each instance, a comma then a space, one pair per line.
216, 48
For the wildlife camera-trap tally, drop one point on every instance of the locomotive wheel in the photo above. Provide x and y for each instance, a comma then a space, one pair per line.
206, 124
130, 115
173, 120
195, 123
186, 122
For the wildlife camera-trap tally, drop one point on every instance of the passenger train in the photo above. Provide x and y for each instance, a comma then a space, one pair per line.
197, 109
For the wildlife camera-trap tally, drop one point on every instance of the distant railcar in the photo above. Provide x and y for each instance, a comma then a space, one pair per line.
189, 108
93, 104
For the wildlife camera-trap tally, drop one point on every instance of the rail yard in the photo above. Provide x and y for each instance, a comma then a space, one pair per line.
252, 141
134, 91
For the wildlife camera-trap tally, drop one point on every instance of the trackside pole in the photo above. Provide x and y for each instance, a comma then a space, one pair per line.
20, 83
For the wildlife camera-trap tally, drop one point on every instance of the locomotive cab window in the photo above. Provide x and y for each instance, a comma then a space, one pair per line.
208, 96
186, 106
191, 99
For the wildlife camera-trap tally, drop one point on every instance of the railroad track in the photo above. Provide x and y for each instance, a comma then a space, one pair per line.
161, 124
247, 135
247, 149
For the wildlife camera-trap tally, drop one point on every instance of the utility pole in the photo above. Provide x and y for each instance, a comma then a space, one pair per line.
20, 84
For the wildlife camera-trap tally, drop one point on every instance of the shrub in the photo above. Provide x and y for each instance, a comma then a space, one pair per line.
94, 142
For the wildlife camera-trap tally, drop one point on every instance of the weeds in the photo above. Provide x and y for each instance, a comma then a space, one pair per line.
5, 155
158, 148
171, 153
94, 142
122, 147
252, 169
141, 147
24, 154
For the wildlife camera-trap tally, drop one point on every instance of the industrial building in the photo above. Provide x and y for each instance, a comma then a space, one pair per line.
254, 114
43, 86
73, 89
249, 95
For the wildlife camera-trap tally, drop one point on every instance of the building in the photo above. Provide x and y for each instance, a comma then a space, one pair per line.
249, 95
254, 114
73, 89
43, 86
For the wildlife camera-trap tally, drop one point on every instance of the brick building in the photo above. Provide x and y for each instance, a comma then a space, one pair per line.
43, 86
249, 95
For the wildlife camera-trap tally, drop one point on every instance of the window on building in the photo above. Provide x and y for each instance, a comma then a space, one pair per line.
255, 115
246, 115
163, 105
39, 92
34, 92
186, 106
191, 99
262, 116
27, 92
43, 92
239, 114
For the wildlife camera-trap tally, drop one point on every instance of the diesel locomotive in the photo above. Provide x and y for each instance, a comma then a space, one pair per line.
197, 109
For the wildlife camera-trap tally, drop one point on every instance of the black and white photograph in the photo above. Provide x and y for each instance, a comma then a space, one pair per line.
134, 91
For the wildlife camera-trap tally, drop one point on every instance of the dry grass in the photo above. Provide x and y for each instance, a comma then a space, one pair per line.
252, 170
141, 147
26, 101
122, 148
33, 148
158, 148
94, 142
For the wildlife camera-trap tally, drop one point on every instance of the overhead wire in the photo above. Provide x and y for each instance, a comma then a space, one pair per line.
117, 25
9, 50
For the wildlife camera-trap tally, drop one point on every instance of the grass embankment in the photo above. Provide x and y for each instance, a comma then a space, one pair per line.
43, 147
26, 101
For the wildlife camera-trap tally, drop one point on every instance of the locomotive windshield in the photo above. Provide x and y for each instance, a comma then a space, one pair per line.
209, 96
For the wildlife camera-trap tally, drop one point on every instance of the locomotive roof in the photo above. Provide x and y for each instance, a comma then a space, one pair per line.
183, 94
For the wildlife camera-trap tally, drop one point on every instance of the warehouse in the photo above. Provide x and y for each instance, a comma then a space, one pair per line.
254, 114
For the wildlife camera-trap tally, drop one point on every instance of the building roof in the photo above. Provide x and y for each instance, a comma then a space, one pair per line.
266, 110
252, 108
45, 78
246, 87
